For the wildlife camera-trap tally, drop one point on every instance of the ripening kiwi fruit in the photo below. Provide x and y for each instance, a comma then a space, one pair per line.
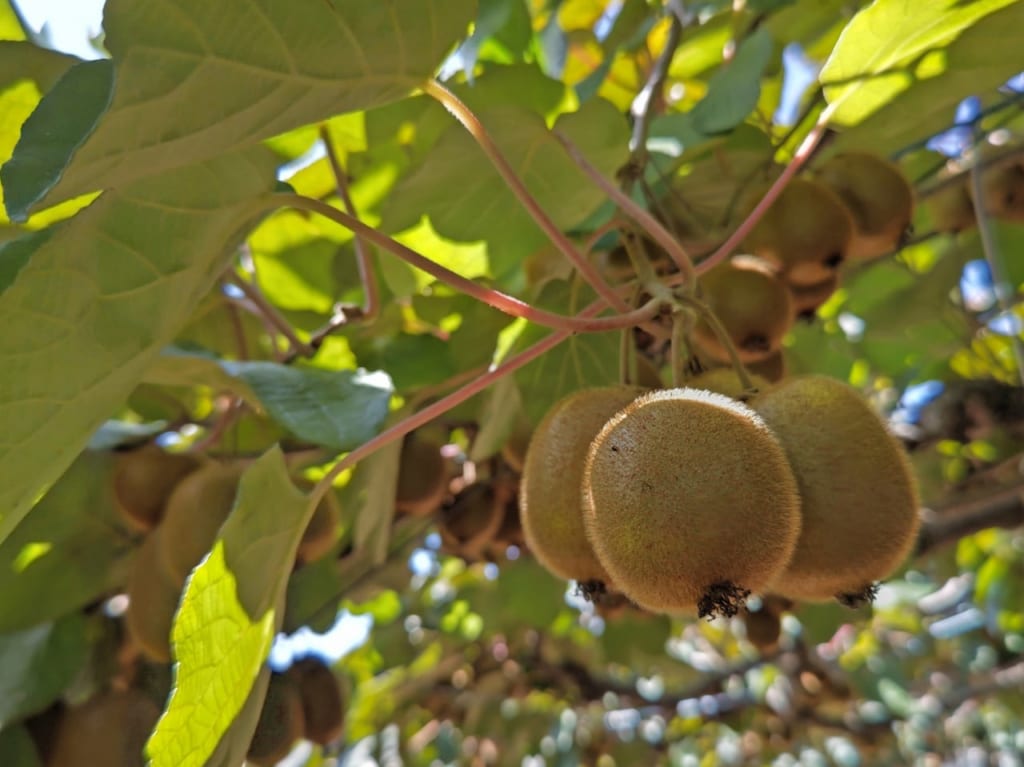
509, 533
318, 537
1002, 188
764, 628
807, 299
281, 722
771, 369
153, 597
806, 233
514, 449
647, 374
143, 480
195, 511
550, 506
950, 208
471, 521
878, 196
422, 477
754, 306
108, 730
323, 708
857, 491
689, 502
725, 381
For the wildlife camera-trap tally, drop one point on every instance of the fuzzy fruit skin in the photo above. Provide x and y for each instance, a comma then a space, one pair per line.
807, 299
685, 489
143, 481
1002, 189
550, 505
108, 730
771, 369
754, 306
951, 209
153, 597
422, 479
806, 233
470, 523
858, 497
878, 196
280, 724
725, 381
323, 707
195, 511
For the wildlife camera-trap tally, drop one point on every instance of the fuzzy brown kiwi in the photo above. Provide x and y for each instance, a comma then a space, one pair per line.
725, 381
1002, 188
878, 196
510, 532
143, 480
514, 449
858, 496
319, 535
754, 306
281, 722
950, 208
550, 504
763, 629
806, 233
771, 369
807, 299
422, 477
107, 730
323, 706
647, 374
195, 511
153, 597
689, 502
471, 521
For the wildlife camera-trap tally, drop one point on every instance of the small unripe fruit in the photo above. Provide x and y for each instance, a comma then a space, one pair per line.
689, 502
754, 306
195, 511
806, 233
471, 521
280, 724
153, 597
858, 497
1002, 189
878, 196
550, 504
108, 730
143, 480
422, 477
323, 708
950, 208
807, 299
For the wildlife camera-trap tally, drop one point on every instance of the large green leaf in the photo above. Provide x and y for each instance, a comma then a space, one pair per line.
192, 79
734, 89
889, 46
17, 749
10, 24
230, 612
37, 664
68, 551
99, 298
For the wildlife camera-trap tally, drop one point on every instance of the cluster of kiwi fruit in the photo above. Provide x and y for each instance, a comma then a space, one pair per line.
1002, 186
855, 206
303, 702
690, 499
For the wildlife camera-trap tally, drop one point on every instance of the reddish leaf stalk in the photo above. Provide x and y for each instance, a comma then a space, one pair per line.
493, 298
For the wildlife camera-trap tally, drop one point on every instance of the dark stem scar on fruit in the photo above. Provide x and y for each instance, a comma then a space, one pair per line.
855, 599
756, 342
592, 591
722, 599
833, 260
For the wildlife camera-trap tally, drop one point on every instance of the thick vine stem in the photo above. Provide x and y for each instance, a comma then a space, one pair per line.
705, 313
679, 350
493, 298
476, 129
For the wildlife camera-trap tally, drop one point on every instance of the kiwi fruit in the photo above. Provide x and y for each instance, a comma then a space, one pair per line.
422, 477
471, 521
143, 479
107, 730
807, 299
857, 491
647, 374
771, 369
763, 629
323, 708
550, 505
153, 597
950, 208
878, 196
281, 722
514, 449
318, 538
806, 233
509, 533
725, 381
1002, 189
689, 502
754, 306
195, 511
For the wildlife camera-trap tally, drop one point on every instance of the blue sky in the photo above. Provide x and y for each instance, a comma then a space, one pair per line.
68, 23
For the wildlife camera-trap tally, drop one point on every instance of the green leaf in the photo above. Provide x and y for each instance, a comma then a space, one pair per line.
339, 409
17, 749
734, 89
889, 46
10, 24
468, 201
229, 614
78, 334
14, 254
175, 366
69, 551
190, 85
37, 665
378, 478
